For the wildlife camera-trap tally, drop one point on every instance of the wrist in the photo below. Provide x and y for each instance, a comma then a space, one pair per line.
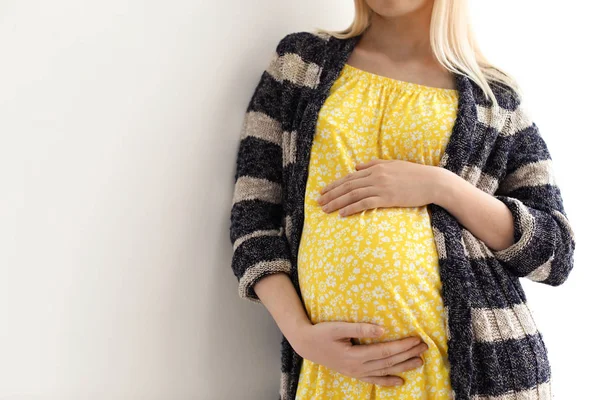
444, 182
298, 334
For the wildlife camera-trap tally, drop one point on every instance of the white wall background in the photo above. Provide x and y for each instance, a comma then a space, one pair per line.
119, 122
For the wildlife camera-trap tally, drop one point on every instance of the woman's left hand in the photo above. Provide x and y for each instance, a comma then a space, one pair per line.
381, 183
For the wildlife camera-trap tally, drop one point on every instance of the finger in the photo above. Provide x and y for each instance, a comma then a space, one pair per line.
357, 195
376, 351
348, 177
356, 330
343, 189
367, 203
384, 364
411, 363
384, 380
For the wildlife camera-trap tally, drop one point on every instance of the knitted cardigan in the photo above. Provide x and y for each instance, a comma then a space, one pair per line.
495, 350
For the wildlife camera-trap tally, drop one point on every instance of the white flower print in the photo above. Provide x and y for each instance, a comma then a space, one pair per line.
378, 266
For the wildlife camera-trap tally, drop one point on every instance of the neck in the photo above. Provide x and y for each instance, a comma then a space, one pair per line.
401, 37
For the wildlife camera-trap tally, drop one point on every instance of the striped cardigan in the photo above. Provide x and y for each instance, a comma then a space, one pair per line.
495, 350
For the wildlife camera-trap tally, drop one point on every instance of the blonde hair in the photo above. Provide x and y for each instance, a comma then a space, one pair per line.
452, 41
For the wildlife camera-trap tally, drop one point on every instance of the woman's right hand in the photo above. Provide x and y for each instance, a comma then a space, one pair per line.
330, 344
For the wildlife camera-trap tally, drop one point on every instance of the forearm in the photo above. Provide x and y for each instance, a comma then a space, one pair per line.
486, 217
279, 296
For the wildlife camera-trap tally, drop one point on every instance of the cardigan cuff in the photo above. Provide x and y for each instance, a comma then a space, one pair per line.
543, 243
258, 271
256, 257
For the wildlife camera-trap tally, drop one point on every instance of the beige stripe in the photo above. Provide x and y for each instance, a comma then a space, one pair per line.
520, 119
480, 179
289, 147
506, 122
258, 270
259, 233
564, 222
531, 174
488, 183
260, 125
464, 245
446, 324
250, 188
440, 242
323, 35
284, 380
475, 247
542, 272
292, 67
493, 116
288, 226
496, 324
527, 229
443, 160
539, 392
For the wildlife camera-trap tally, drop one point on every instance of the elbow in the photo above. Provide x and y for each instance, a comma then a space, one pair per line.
256, 255
543, 245
564, 250
559, 264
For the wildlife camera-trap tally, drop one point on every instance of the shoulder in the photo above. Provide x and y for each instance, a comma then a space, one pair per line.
513, 110
299, 58
306, 44
305, 38
507, 96
510, 116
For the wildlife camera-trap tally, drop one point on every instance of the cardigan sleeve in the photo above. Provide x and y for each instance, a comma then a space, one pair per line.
544, 240
260, 247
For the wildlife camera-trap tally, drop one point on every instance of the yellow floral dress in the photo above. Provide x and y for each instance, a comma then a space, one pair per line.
379, 265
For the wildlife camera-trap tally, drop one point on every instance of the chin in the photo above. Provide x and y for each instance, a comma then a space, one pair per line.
397, 8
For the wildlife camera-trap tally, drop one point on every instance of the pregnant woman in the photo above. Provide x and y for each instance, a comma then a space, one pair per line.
390, 192
377, 265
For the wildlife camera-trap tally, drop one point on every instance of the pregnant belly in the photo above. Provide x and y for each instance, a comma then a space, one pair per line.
378, 266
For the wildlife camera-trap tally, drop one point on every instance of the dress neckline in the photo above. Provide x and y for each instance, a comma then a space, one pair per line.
397, 82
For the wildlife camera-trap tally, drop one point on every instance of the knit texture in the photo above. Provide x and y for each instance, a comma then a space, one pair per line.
494, 347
